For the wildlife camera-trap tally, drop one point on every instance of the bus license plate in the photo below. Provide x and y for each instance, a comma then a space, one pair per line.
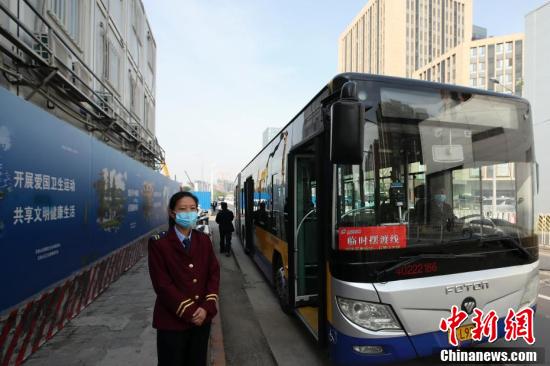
464, 333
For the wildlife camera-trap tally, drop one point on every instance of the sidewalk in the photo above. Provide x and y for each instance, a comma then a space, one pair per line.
115, 330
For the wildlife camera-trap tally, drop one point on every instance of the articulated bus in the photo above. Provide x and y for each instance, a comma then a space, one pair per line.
386, 201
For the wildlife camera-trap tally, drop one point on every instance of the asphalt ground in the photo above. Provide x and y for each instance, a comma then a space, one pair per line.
288, 342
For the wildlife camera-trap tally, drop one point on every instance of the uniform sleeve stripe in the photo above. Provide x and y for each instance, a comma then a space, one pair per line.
181, 304
211, 299
185, 307
210, 295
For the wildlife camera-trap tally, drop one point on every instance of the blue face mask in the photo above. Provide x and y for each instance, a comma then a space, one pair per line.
440, 198
186, 219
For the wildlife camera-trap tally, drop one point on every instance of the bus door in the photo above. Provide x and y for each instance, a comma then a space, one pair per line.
248, 215
306, 251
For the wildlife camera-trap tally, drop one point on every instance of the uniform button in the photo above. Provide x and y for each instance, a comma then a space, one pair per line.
191, 265
196, 297
194, 280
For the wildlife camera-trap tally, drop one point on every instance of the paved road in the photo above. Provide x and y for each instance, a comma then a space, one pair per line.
288, 342
544, 259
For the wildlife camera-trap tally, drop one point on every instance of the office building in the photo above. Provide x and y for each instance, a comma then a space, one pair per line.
494, 63
478, 32
397, 37
92, 63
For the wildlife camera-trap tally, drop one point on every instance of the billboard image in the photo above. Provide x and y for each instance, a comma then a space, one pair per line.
66, 199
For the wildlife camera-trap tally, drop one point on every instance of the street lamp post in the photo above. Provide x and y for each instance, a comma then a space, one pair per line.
496, 81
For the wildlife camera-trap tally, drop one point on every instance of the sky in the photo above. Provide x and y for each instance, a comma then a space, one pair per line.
228, 69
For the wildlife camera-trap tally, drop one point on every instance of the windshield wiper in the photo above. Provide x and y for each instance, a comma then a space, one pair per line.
515, 243
408, 260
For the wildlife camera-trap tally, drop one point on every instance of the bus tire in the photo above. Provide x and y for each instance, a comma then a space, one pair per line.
280, 283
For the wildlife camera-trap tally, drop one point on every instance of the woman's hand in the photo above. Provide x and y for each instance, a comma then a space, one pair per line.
198, 316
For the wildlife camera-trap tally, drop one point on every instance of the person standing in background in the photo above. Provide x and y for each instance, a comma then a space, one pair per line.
224, 218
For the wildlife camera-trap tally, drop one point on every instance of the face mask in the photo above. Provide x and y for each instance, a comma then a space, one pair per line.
186, 219
440, 198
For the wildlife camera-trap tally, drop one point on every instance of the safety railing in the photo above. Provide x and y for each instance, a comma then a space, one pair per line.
542, 229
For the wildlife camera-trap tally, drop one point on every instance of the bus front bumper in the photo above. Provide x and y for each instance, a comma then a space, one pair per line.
346, 350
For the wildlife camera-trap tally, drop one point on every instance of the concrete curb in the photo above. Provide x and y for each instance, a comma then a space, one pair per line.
216, 348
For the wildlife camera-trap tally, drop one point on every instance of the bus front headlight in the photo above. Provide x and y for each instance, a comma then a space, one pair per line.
368, 315
530, 293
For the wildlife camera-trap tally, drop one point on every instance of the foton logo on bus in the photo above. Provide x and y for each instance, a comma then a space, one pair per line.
372, 237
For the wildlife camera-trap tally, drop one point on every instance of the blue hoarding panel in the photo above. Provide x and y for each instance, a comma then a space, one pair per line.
204, 199
66, 199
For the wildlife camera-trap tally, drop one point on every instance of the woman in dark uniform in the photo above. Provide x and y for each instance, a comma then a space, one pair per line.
185, 275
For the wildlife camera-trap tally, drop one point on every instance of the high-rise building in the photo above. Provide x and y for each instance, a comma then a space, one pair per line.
90, 63
478, 32
537, 91
269, 134
494, 63
397, 37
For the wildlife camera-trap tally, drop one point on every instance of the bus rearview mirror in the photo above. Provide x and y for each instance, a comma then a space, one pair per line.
346, 128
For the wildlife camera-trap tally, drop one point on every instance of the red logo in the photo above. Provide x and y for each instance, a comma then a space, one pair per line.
516, 325
485, 325
451, 323
372, 237
519, 325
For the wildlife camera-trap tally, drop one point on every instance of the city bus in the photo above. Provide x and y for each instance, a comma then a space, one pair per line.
379, 206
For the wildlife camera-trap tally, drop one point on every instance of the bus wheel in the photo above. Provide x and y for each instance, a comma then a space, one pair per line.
281, 284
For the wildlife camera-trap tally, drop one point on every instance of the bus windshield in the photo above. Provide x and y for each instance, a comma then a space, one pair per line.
439, 166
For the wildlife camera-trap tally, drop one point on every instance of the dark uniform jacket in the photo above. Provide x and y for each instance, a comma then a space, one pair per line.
224, 219
183, 279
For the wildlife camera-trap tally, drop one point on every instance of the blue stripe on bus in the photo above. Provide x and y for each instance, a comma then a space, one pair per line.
396, 349
264, 264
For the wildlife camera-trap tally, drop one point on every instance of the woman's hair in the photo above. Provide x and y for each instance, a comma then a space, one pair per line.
174, 199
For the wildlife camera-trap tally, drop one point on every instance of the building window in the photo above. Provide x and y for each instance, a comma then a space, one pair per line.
499, 64
115, 10
136, 30
473, 82
508, 47
147, 122
503, 170
482, 81
133, 92
508, 63
473, 52
482, 52
113, 61
473, 68
499, 48
67, 13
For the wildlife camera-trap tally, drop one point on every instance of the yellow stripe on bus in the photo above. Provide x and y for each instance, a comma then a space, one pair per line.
267, 243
